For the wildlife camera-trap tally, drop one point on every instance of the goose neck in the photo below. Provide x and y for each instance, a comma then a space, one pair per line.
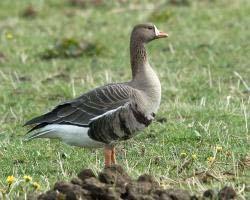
138, 56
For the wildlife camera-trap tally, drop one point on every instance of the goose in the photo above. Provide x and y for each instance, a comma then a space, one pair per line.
111, 113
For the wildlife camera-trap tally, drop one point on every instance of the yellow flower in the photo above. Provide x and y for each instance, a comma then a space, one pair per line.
36, 185
27, 178
218, 148
9, 36
194, 156
183, 154
210, 159
10, 179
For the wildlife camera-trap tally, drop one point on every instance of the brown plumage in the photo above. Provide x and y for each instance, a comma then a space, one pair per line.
110, 113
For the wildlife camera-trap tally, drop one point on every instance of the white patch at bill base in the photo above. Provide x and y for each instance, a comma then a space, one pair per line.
157, 32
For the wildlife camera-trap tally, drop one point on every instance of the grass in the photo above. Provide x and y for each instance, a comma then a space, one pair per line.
204, 71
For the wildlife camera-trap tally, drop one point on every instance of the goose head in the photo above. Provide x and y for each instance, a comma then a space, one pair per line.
147, 32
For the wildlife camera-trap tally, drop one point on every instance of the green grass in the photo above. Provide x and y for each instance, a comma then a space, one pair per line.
203, 67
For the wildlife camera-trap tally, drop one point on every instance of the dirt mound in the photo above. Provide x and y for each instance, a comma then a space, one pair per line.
113, 183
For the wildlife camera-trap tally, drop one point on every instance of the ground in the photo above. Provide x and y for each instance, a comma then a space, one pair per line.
201, 136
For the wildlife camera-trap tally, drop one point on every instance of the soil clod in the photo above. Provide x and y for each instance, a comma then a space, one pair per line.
227, 193
209, 194
86, 173
113, 183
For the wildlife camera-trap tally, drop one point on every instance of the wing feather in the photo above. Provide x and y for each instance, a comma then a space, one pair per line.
81, 110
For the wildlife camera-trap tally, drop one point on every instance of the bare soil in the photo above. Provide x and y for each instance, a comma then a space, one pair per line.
113, 183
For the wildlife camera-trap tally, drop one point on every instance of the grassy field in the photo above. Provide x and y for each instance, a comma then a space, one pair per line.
201, 137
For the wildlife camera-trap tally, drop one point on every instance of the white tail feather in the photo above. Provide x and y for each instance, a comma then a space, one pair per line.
37, 134
70, 134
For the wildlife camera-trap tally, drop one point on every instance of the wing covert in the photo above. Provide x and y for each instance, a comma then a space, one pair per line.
81, 110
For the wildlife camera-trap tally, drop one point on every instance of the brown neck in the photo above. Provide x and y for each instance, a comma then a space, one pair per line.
138, 56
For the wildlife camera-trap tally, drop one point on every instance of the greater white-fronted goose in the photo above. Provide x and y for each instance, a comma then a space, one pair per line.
111, 113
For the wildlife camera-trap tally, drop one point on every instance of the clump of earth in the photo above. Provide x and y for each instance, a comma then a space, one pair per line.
113, 183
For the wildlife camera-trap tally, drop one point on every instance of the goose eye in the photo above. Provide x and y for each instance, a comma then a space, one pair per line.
150, 28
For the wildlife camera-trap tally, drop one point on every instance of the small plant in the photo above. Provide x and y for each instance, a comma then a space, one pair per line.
211, 160
85, 3
218, 148
10, 179
9, 35
180, 2
183, 154
194, 156
19, 187
71, 47
29, 12
27, 178
161, 15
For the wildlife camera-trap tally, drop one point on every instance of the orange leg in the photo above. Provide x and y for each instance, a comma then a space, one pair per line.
107, 156
113, 158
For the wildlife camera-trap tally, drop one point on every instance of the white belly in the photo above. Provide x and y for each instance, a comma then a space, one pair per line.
70, 134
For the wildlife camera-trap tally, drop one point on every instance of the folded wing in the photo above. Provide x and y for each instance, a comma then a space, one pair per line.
87, 107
